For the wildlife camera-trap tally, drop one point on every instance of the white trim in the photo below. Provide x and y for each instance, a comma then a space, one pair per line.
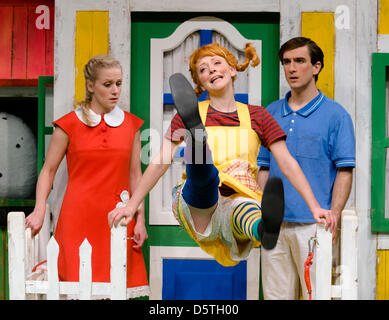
366, 44
157, 254
205, 6
383, 43
157, 48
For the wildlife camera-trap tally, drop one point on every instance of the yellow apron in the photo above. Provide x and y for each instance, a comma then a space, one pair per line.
234, 152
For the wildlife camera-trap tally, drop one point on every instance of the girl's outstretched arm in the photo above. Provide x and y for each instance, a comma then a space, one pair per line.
155, 170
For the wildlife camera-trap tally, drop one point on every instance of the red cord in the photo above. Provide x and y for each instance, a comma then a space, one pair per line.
307, 278
34, 269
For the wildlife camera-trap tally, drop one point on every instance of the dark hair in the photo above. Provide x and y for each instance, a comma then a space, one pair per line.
314, 50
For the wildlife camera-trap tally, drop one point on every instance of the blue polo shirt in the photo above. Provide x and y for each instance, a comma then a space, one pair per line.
320, 136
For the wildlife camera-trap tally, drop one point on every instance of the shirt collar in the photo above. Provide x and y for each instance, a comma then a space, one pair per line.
114, 118
310, 107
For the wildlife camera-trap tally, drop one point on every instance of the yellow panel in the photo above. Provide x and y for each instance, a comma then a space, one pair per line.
91, 39
383, 17
312, 26
382, 275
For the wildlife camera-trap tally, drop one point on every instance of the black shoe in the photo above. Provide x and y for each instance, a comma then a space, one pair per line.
272, 213
186, 104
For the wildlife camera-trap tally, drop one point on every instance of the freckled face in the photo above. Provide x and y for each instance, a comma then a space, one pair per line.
298, 69
106, 89
215, 73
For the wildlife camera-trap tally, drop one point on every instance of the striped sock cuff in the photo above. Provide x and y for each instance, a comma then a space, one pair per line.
244, 219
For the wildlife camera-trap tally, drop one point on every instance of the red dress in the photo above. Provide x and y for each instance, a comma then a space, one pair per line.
98, 160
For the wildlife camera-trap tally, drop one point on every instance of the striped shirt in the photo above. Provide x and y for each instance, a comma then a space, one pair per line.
262, 122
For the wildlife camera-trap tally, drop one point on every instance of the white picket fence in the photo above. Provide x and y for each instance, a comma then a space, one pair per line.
22, 256
25, 252
346, 286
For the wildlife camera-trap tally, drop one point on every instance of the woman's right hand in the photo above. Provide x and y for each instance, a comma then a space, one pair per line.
34, 221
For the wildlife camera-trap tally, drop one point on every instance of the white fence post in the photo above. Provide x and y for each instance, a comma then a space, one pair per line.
85, 271
323, 263
30, 252
119, 262
52, 270
16, 255
43, 237
22, 255
348, 258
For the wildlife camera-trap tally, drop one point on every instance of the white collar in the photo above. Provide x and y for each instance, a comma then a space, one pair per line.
114, 118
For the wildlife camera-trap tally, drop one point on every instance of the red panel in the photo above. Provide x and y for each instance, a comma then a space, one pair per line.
19, 43
26, 52
50, 45
36, 46
26, 2
18, 83
6, 14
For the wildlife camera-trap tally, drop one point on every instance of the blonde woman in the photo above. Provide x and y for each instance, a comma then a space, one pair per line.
102, 146
219, 201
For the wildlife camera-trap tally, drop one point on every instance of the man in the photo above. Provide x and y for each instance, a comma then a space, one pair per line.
320, 135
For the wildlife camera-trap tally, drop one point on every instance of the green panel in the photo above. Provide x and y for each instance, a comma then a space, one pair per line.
264, 26
379, 143
4, 293
17, 203
42, 129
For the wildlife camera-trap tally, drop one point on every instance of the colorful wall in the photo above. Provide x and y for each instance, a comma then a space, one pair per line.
349, 31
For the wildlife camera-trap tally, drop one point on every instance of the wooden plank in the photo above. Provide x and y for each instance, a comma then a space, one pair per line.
29, 252
85, 274
50, 45
100, 21
382, 274
52, 270
19, 44
6, 17
312, 26
119, 262
35, 46
91, 39
323, 263
383, 17
205, 6
83, 50
349, 255
17, 83
67, 288
44, 236
16, 255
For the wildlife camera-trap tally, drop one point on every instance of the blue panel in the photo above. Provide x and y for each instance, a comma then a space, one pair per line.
242, 97
168, 98
205, 37
203, 280
204, 96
